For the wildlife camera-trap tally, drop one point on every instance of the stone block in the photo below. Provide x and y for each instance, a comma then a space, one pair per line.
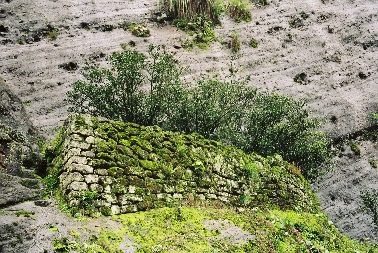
77, 159
96, 187
101, 202
177, 196
78, 186
89, 153
115, 209
90, 179
107, 189
105, 179
90, 140
68, 178
101, 172
83, 169
131, 189
109, 198
81, 145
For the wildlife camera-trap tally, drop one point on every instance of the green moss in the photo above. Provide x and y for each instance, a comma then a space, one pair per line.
355, 148
115, 171
373, 163
24, 213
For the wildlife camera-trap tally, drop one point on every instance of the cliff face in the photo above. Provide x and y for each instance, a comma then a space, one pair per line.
19, 154
129, 168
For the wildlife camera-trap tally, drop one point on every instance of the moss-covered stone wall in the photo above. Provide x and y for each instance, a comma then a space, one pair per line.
133, 168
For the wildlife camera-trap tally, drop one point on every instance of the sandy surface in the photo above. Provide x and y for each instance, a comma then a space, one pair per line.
336, 46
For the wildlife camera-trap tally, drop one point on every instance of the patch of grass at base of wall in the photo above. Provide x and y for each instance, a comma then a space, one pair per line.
182, 230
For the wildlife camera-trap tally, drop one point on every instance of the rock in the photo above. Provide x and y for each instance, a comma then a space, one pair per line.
42, 203
19, 156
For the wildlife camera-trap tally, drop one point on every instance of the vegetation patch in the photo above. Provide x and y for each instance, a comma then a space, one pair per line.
24, 213
354, 147
253, 43
228, 111
370, 202
235, 42
183, 229
139, 30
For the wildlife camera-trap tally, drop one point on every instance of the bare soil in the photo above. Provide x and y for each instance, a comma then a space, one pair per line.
331, 44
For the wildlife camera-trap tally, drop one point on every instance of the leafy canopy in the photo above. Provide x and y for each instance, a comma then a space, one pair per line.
148, 89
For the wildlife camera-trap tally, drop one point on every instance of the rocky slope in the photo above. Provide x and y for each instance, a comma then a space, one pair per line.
44, 45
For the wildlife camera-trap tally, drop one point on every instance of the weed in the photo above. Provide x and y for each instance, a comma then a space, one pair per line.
24, 213
240, 10
373, 163
253, 43
21, 41
52, 35
235, 43
139, 30
370, 202
355, 148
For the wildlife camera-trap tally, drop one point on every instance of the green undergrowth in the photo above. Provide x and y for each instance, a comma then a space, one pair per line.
183, 230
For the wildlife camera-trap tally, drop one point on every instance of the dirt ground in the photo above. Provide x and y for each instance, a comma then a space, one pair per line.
332, 44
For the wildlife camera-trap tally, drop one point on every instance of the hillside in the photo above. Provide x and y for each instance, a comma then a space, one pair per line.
332, 44
167, 192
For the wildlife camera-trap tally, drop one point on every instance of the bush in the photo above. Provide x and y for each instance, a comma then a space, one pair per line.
370, 202
117, 93
235, 42
147, 90
240, 10
190, 9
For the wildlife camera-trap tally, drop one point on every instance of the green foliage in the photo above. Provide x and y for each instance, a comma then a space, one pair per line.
355, 148
373, 163
64, 245
254, 43
235, 42
240, 10
86, 202
139, 30
183, 230
201, 27
52, 35
370, 202
228, 111
24, 213
118, 93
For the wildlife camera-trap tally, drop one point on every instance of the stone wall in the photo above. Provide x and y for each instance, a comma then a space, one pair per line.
133, 168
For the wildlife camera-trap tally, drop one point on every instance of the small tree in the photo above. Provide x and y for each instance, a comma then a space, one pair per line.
370, 202
120, 93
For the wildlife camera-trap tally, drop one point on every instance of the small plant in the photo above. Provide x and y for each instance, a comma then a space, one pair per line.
240, 10
253, 43
355, 148
201, 27
21, 41
63, 245
52, 228
24, 213
139, 30
86, 199
370, 202
373, 163
52, 35
235, 43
